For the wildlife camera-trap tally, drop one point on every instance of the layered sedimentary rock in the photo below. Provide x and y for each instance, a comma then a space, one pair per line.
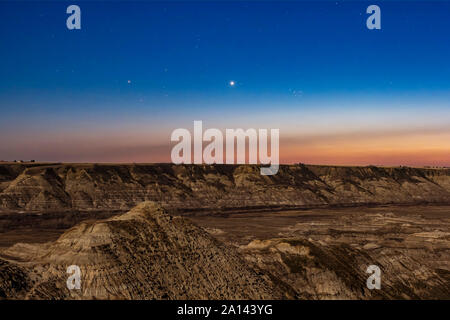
308, 254
143, 254
338, 271
324, 253
47, 187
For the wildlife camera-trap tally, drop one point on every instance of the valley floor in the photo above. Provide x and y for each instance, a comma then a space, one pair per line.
314, 253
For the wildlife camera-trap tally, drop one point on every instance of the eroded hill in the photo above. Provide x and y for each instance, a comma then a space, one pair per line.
53, 187
257, 251
143, 254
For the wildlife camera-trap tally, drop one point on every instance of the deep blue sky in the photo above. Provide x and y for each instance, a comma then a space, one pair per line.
285, 57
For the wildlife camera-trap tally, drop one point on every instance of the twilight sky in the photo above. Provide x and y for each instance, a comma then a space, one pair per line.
116, 89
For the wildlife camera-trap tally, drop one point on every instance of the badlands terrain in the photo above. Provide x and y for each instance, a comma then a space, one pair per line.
56, 187
165, 231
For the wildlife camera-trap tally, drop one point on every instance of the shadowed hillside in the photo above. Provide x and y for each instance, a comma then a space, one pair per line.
150, 254
52, 187
143, 254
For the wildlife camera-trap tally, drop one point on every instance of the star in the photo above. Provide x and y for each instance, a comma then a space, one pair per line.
129, 81
232, 83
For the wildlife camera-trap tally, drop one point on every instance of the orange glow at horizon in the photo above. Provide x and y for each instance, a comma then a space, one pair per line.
419, 149
411, 147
